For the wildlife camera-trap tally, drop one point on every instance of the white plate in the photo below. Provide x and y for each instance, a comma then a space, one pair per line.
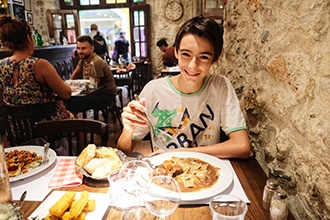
40, 151
77, 82
101, 205
224, 180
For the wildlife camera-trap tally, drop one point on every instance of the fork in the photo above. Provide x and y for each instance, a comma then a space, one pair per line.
45, 158
155, 140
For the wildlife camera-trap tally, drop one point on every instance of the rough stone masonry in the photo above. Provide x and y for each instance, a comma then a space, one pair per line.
277, 55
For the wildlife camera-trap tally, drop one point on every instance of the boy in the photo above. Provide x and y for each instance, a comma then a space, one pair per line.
188, 111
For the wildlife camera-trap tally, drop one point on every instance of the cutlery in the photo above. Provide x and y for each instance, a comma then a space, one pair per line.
21, 200
155, 140
45, 159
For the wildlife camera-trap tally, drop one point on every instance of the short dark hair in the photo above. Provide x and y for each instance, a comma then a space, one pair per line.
162, 42
203, 27
85, 38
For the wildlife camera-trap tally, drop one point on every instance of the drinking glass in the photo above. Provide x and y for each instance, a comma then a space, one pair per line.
225, 207
133, 176
162, 196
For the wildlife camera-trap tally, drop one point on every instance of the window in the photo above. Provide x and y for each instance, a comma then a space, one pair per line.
63, 23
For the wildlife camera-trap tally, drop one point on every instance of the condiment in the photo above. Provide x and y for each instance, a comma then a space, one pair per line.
279, 205
269, 189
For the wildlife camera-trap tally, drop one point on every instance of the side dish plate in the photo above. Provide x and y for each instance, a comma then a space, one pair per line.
101, 205
32, 171
225, 174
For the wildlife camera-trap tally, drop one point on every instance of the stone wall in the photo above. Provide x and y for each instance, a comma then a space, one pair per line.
277, 55
39, 8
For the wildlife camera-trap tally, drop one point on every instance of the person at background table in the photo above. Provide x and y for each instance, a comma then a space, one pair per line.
188, 110
121, 48
25, 79
99, 42
168, 57
91, 65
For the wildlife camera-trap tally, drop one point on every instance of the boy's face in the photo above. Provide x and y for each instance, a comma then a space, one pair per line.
194, 58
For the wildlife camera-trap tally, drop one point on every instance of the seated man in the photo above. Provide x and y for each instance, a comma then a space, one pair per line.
168, 58
92, 65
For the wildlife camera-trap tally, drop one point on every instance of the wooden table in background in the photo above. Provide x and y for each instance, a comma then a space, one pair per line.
248, 171
169, 72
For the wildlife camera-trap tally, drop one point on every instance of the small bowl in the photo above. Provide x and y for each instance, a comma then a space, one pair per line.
82, 171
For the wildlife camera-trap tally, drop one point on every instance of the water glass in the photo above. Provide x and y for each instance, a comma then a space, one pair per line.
118, 197
227, 207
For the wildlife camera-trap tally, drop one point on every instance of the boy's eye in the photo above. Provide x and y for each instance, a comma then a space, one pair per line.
185, 54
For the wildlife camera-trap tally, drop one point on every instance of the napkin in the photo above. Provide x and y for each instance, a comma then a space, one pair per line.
65, 174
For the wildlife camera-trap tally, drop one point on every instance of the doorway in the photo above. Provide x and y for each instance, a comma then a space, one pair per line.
109, 21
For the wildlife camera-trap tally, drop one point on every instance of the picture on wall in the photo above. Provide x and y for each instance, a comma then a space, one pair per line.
29, 17
19, 12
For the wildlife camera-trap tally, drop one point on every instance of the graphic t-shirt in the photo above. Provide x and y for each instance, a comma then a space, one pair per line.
191, 120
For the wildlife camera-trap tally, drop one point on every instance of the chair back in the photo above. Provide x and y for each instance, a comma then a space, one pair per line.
19, 120
78, 132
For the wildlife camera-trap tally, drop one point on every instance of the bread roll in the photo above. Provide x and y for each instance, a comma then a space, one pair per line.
103, 170
86, 155
94, 163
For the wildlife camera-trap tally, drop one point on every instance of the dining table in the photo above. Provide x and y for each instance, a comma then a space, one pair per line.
170, 71
81, 93
251, 179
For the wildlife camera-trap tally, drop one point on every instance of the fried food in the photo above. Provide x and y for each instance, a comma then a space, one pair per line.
90, 206
62, 204
78, 205
66, 208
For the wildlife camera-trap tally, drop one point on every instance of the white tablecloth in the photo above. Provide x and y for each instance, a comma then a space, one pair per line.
37, 186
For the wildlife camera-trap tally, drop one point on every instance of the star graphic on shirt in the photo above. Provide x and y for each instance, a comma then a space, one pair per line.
173, 130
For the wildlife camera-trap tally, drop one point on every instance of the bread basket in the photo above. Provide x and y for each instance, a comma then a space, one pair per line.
85, 173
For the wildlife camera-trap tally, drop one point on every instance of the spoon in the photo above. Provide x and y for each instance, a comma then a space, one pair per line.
21, 200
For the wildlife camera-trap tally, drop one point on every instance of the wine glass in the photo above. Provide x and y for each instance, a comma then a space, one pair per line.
133, 176
162, 196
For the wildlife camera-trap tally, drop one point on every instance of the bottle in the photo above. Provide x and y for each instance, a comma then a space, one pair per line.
279, 205
38, 37
271, 186
92, 76
7, 209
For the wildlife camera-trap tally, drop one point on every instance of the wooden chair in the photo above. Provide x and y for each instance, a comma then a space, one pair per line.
125, 79
19, 121
78, 132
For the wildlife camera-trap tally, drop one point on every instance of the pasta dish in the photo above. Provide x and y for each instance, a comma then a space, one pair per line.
192, 174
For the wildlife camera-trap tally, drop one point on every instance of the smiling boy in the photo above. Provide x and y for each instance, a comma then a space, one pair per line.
188, 111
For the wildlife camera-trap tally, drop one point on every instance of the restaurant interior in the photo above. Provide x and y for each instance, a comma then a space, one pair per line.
276, 56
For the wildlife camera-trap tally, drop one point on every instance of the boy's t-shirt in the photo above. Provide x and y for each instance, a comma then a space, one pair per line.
191, 120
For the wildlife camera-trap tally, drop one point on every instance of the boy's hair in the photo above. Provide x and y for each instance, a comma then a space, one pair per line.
85, 38
203, 27
162, 42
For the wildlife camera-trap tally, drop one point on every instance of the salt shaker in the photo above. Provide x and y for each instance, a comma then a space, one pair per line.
279, 205
271, 186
